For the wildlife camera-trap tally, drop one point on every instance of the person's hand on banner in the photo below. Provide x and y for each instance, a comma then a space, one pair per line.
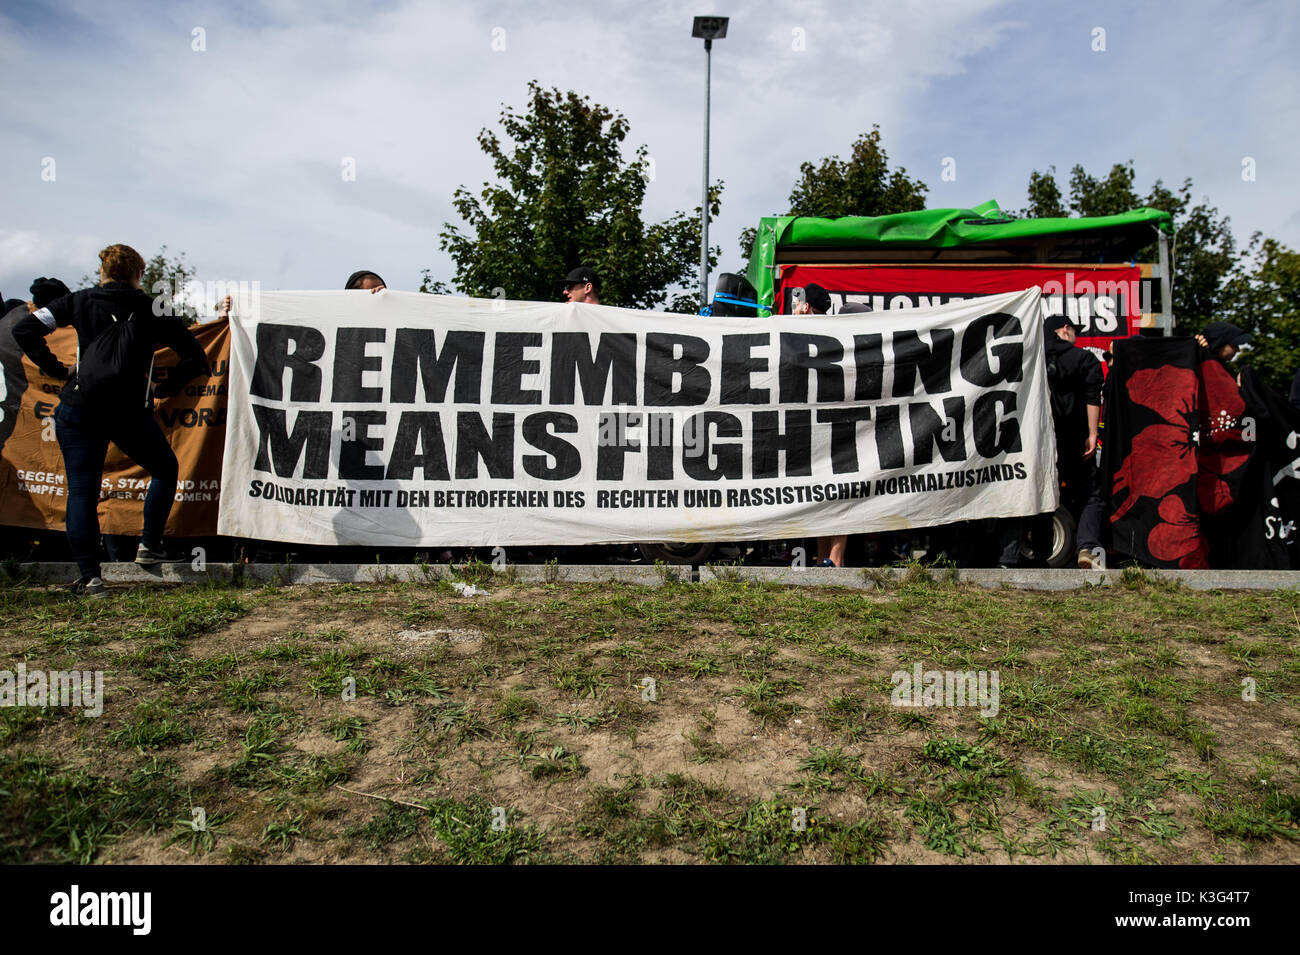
162, 389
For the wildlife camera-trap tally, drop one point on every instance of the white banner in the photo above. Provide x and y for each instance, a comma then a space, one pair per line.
401, 419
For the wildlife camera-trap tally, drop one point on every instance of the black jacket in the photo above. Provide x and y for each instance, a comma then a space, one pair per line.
91, 311
1074, 378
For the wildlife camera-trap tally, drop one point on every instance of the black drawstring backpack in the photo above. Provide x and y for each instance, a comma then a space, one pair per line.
101, 371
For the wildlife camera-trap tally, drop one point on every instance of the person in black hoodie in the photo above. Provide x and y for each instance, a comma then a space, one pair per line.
109, 398
1221, 341
1074, 380
43, 292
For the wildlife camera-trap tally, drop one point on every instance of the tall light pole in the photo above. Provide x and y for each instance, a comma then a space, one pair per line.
707, 29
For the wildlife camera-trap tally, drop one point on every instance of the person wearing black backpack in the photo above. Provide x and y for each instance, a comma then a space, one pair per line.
109, 396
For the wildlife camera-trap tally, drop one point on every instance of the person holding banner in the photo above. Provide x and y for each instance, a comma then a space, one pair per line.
817, 301
364, 279
581, 285
109, 398
1221, 341
1074, 380
43, 292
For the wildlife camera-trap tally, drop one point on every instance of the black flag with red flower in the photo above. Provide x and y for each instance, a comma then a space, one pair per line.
1262, 528
1202, 472
1150, 453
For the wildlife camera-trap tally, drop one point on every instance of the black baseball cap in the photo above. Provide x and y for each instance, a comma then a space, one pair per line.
44, 291
579, 276
355, 279
1219, 334
817, 297
1053, 322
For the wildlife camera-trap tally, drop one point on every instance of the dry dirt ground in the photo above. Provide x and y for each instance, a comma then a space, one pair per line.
722, 722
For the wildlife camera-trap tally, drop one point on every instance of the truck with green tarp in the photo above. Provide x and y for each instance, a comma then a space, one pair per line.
1089, 268
1110, 275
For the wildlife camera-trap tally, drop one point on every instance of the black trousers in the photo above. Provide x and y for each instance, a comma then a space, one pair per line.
84, 436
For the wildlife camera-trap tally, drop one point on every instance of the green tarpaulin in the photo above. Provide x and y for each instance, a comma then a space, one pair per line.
927, 229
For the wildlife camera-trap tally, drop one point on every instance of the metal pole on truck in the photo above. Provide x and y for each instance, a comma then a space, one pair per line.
1166, 317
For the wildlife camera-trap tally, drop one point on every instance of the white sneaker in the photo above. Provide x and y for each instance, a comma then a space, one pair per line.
94, 587
1092, 559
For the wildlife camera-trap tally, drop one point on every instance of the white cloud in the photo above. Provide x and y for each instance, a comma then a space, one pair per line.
28, 254
233, 154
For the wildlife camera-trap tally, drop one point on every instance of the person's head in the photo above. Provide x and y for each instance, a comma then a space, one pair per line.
121, 263
1224, 339
853, 308
581, 285
1060, 326
364, 279
44, 291
816, 300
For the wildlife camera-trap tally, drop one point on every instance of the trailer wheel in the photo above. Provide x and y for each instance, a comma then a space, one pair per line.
1063, 541
676, 553
1064, 551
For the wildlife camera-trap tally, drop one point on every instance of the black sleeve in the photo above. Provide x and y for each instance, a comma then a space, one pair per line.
30, 335
61, 309
1092, 380
194, 361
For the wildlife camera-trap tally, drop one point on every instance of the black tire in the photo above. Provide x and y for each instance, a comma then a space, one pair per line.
676, 553
1063, 541
1065, 551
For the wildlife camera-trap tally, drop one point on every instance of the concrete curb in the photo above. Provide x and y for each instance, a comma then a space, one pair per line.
1016, 578
294, 574
856, 578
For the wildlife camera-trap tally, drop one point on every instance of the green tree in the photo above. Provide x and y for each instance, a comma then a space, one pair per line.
863, 185
1103, 197
1263, 297
1045, 200
168, 277
565, 197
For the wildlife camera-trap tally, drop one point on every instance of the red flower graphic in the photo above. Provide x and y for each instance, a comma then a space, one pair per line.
1161, 457
1179, 537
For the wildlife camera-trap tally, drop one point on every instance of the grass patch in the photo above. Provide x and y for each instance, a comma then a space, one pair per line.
770, 738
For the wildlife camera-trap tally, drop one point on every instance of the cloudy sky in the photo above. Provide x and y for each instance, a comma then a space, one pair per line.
233, 153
